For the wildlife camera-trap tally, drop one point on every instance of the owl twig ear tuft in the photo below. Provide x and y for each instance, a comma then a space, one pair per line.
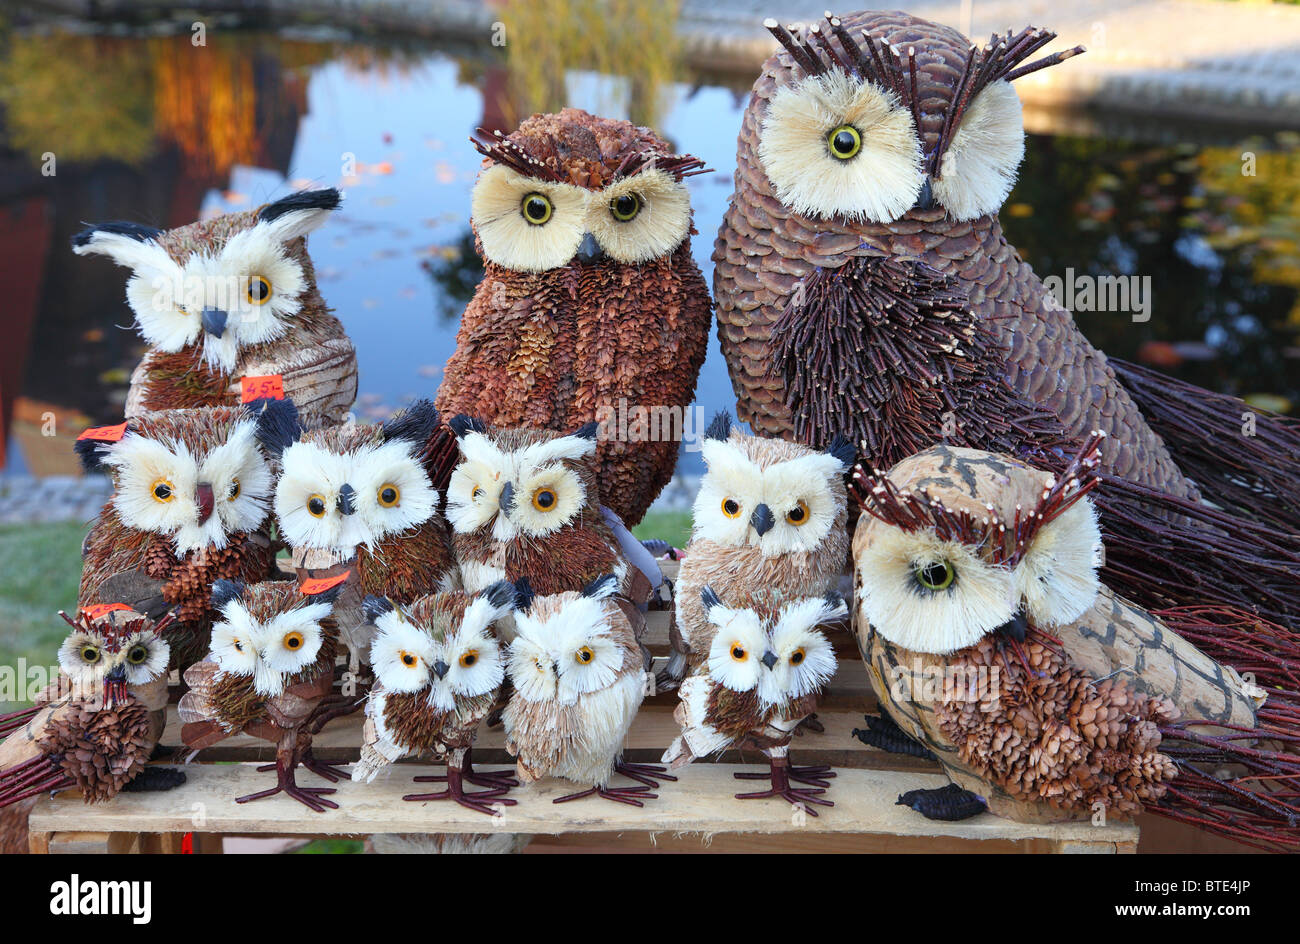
376, 606
843, 450
85, 241
586, 430
499, 149
719, 427
416, 424
91, 452
223, 591
329, 595
502, 595
601, 587
462, 424
836, 607
277, 424
525, 594
299, 213
710, 598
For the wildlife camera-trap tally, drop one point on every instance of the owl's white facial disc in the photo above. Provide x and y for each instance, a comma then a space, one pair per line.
737, 650
472, 654
84, 658
524, 224
1057, 577
789, 507
144, 657
978, 170
389, 493
805, 659
236, 640
530, 664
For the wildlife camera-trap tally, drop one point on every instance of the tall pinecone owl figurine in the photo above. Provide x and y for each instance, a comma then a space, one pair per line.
229, 300
766, 665
191, 505
438, 673
769, 513
356, 499
270, 673
989, 638
578, 680
95, 727
591, 305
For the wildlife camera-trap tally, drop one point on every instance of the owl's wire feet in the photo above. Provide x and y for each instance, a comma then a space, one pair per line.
476, 801
949, 803
632, 796
816, 776
321, 769
310, 797
504, 779
648, 774
780, 775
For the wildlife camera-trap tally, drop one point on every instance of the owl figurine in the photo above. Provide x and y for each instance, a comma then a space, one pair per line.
438, 673
767, 664
230, 310
191, 505
990, 639
356, 500
522, 504
769, 513
578, 680
270, 673
591, 307
95, 727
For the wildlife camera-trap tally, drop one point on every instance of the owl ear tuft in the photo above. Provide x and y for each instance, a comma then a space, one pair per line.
836, 608
463, 424
299, 213
91, 452
720, 427
525, 594
601, 587
94, 237
502, 595
586, 430
416, 424
223, 591
375, 606
277, 424
329, 595
843, 450
710, 598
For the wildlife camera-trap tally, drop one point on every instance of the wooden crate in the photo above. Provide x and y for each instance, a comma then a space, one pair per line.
697, 813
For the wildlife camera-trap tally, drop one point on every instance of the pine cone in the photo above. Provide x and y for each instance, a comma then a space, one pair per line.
100, 750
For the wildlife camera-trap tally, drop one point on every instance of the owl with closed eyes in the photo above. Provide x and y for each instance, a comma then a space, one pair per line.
522, 504
356, 500
228, 299
769, 513
270, 674
191, 505
578, 678
591, 301
438, 674
766, 665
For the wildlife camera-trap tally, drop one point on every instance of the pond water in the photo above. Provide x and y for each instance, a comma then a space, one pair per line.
152, 129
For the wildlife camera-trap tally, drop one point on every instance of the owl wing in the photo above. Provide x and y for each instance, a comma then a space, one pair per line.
538, 735
201, 724
699, 737
378, 746
122, 564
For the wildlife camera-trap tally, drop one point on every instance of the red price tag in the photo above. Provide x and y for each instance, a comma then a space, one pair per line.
270, 387
105, 433
103, 609
320, 584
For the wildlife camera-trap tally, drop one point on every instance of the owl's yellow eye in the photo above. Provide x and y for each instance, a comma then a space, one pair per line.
234, 490
798, 515
259, 290
89, 655
316, 506
137, 655
476, 493
938, 575
738, 653
239, 646
162, 490
293, 641
796, 657
468, 658
544, 499
731, 508
844, 142
389, 495
584, 655
409, 659
536, 209
626, 207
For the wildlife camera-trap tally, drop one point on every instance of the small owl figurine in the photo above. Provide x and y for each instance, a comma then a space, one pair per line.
191, 505
768, 514
231, 298
270, 673
578, 681
438, 673
767, 664
523, 505
96, 726
357, 499
592, 304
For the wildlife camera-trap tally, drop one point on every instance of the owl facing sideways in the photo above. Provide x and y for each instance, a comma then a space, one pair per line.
578, 680
766, 665
96, 726
357, 500
769, 513
591, 304
269, 673
228, 298
191, 505
438, 673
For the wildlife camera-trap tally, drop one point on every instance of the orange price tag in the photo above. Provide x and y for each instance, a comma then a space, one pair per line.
105, 433
103, 609
320, 584
270, 387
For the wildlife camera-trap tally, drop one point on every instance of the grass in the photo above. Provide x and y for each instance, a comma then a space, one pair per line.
671, 526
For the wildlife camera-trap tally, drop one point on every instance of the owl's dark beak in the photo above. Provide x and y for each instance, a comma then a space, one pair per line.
440, 668
203, 494
762, 520
347, 494
925, 199
1014, 628
769, 658
214, 321
589, 251
506, 500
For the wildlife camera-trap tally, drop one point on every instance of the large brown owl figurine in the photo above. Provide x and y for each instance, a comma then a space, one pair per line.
231, 311
592, 307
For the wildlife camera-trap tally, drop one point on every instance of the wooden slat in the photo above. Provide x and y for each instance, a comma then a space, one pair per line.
701, 802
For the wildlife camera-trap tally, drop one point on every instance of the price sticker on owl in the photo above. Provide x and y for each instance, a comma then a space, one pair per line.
270, 387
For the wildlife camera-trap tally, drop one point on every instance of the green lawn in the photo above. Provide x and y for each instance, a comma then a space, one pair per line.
671, 526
